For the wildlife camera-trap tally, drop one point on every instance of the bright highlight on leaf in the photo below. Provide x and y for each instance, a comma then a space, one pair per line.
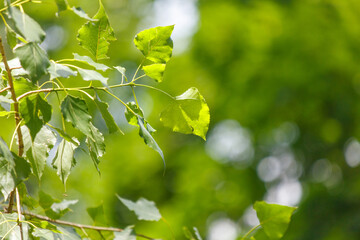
95, 36
64, 159
143, 208
189, 114
57, 70
273, 218
155, 71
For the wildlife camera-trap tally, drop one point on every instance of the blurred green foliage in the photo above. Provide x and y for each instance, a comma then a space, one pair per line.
286, 71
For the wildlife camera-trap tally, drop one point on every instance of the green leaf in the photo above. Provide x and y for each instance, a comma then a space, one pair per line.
95, 36
130, 117
22, 169
62, 5
11, 37
109, 120
121, 70
27, 26
66, 136
25, 197
37, 151
96, 145
8, 223
89, 75
97, 215
89, 61
57, 70
64, 159
62, 234
22, 85
34, 60
189, 114
7, 165
5, 113
127, 234
76, 112
273, 218
143, 208
155, 71
80, 12
36, 112
63, 207
155, 43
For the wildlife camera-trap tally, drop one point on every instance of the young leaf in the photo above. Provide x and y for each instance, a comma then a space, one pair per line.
127, 234
130, 117
143, 208
31, 108
64, 159
62, 6
57, 70
27, 26
76, 112
96, 145
95, 36
89, 75
155, 71
155, 43
81, 13
33, 59
273, 218
189, 114
21, 86
89, 61
7, 165
109, 120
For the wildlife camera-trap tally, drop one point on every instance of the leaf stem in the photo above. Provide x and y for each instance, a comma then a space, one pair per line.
250, 231
154, 88
4, 89
18, 206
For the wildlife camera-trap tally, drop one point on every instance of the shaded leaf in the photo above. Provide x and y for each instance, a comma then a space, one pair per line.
26, 199
121, 70
273, 218
97, 215
76, 112
95, 36
57, 70
127, 234
66, 136
89, 75
62, 6
81, 13
155, 43
63, 233
34, 60
36, 112
109, 120
155, 71
143, 208
7, 165
130, 117
96, 145
11, 37
22, 85
64, 159
22, 169
89, 61
15, 65
9, 223
189, 114
27, 26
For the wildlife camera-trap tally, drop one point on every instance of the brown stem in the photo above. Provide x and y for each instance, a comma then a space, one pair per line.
77, 225
4, 89
17, 115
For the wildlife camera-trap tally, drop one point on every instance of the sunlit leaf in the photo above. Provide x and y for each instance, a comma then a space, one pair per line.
81, 13
95, 36
143, 208
155, 43
64, 159
127, 234
96, 145
63, 233
21, 86
109, 120
57, 70
27, 26
7, 165
8, 227
130, 116
273, 218
11, 37
34, 60
155, 71
76, 112
89, 61
89, 75
189, 114
36, 112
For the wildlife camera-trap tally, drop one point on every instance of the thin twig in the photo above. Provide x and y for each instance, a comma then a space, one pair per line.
18, 206
4, 89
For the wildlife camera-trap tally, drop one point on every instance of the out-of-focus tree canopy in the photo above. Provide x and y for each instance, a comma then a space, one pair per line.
282, 81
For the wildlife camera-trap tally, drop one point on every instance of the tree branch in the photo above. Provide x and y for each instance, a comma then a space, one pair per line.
77, 225
4, 89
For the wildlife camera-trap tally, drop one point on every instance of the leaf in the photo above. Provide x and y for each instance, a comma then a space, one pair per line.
64, 159
189, 114
155, 43
5, 113
22, 169
130, 117
38, 151
8, 227
62, 6
89, 61
127, 234
15, 65
34, 60
22, 85
95, 36
80, 12
97, 215
143, 208
7, 165
76, 112
89, 75
31, 108
155, 71
62, 234
11, 37
109, 120
121, 70
25, 197
66, 136
273, 218
62, 207
96, 145
57, 70
27, 26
